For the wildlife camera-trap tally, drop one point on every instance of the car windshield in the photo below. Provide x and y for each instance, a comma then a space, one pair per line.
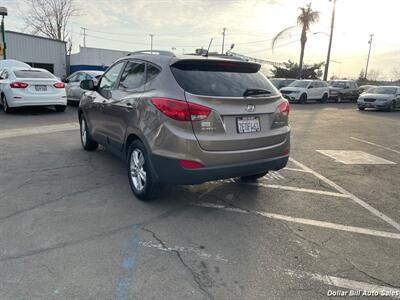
32, 74
383, 90
300, 83
338, 84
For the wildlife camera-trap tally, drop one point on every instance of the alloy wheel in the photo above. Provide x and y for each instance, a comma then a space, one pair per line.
137, 170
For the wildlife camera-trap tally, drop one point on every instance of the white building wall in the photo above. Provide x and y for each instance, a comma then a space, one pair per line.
96, 57
33, 49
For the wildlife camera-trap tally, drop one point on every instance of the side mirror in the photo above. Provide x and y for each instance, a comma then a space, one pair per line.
87, 85
65, 80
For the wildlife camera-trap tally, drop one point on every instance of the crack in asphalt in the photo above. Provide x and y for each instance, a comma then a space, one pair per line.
90, 238
195, 275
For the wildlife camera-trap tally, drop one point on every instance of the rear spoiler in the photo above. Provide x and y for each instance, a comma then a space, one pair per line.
214, 65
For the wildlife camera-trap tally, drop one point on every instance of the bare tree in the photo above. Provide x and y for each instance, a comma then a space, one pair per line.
49, 17
396, 73
374, 75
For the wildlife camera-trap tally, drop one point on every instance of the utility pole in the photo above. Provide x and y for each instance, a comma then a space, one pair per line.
3, 13
151, 43
328, 58
371, 37
84, 36
223, 39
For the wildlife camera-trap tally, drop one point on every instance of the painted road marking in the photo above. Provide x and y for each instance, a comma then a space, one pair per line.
377, 145
296, 189
310, 222
355, 157
351, 196
181, 249
273, 176
295, 170
349, 284
10, 133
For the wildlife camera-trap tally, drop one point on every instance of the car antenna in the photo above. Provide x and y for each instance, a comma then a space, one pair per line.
209, 46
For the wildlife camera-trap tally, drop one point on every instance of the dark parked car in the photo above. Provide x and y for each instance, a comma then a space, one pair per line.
186, 119
340, 90
281, 82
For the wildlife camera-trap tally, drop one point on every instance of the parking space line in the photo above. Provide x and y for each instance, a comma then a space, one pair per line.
310, 222
355, 286
295, 170
377, 145
296, 189
27, 131
181, 249
350, 195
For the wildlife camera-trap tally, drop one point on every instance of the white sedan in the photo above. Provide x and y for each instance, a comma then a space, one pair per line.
31, 87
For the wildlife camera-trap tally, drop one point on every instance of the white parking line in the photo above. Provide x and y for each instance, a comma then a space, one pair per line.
296, 189
377, 145
356, 286
181, 249
310, 222
350, 195
10, 133
295, 170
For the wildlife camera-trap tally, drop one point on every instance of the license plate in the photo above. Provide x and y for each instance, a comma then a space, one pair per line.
248, 124
41, 88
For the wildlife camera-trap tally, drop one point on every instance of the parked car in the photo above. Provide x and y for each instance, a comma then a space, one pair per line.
31, 87
186, 119
12, 63
365, 88
281, 82
382, 97
303, 90
74, 91
340, 90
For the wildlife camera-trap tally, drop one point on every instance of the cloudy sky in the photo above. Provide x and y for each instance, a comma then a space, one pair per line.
188, 24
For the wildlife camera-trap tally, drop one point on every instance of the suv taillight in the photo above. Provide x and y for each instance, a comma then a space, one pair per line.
18, 85
181, 110
59, 85
281, 116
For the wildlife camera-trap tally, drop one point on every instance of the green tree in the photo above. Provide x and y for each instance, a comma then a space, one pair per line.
305, 19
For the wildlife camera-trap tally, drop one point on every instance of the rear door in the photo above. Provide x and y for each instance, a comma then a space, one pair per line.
238, 120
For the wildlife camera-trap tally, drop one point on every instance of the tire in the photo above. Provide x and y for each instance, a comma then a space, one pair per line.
339, 98
253, 178
361, 108
87, 142
60, 108
324, 98
392, 107
303, 99
140, 172
6, 108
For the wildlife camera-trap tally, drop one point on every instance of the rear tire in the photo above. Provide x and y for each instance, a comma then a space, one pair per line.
60, 108
87, 142
6, 108
303, 99
140, 173
253, 178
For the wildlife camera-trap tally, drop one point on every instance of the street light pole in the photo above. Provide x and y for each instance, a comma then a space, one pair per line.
223, 39
371, 37
3, 13
328, 58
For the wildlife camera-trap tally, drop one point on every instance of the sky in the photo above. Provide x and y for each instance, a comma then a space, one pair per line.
184, 25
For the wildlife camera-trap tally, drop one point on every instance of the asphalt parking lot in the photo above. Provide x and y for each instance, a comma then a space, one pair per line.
70, 227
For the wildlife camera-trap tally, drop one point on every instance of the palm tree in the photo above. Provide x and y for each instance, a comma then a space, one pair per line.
306, 18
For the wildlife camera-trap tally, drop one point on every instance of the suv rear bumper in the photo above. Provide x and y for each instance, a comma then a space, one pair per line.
169, 171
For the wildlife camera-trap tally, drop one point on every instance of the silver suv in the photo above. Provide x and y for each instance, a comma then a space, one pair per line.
186, 119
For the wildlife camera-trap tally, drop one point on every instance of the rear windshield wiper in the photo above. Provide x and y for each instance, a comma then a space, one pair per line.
254, 92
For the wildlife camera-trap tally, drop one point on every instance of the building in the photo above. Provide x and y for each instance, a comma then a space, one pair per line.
94, 59
39, 52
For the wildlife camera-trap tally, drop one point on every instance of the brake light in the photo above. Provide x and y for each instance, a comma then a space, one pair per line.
284, 108
190, 164
181, 110
18, 85
59, 85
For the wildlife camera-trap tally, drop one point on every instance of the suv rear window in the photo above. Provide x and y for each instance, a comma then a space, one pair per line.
32, 74
219, 78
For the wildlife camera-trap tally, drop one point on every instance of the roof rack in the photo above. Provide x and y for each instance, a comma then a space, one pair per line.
153, 52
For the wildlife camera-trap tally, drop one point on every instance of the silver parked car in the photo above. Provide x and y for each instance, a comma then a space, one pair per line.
74, 91
381, 97
186, 119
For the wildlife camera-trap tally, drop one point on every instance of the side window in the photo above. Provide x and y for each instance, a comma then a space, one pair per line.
5, 74
152, 72
81, 77
109, 80
73, 77
133, 75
